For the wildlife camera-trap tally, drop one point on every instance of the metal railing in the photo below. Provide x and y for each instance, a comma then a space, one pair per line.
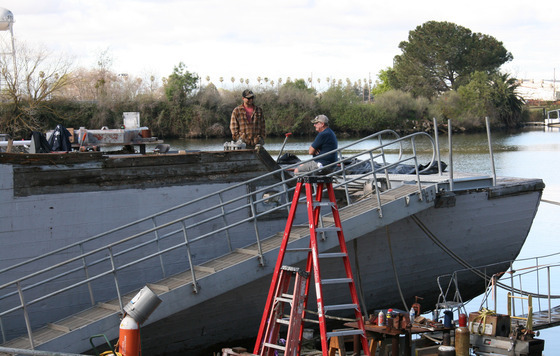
169, 242
522, 283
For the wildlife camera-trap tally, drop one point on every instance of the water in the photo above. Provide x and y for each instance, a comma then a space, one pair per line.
532, 153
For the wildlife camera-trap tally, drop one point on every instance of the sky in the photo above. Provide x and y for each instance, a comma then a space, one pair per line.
276, 38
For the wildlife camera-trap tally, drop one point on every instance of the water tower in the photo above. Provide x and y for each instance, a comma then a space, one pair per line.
6, 37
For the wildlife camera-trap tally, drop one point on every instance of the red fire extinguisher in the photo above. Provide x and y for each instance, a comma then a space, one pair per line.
129, 337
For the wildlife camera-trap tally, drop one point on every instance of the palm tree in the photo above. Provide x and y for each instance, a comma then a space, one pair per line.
508, 103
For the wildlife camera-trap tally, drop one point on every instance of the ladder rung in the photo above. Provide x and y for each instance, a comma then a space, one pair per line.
283, 299
332, 254
283, 321
345, 332
340, 307
336, 280
325, 229
323, 203
301, 249
277, 347
311, 321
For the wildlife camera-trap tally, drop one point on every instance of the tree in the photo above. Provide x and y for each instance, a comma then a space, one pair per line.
440, 56
382, 85
507, 102
29, 83
485, 95
181, 83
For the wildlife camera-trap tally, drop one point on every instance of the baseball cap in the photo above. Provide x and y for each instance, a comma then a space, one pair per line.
248, 94
320, 118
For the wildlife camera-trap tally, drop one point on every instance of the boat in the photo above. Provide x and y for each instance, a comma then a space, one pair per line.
82, 232
552, 118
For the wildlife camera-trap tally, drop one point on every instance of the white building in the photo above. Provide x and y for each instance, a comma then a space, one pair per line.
546, 90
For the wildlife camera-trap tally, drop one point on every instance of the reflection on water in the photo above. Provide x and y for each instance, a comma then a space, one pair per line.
532, 153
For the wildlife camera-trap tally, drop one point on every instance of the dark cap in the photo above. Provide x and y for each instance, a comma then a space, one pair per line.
248, 94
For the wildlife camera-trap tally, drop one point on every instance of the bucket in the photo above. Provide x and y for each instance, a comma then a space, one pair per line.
142, 305
446, 351
146, 133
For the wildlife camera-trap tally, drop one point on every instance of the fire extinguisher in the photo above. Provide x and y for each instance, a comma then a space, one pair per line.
129, 337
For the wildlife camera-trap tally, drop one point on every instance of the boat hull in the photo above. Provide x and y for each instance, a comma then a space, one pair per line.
482, 231
49, 206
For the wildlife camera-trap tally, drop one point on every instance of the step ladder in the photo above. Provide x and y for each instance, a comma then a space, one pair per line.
268, 335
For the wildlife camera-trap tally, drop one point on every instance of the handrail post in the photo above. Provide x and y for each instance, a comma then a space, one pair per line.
419, 183
549, 303
228, 238
512, 283
254, 215
380, 139
495, 283
2, 330
436, 136
189, 256
114, 270
285, 189
91, 297
521, 295
346, 191
156, 233
491, 151
539, 282
25, 316
450, 140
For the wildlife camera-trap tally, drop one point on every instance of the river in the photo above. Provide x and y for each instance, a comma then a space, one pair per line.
531, 153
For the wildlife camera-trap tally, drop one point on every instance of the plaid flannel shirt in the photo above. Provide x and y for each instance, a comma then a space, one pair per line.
251, 133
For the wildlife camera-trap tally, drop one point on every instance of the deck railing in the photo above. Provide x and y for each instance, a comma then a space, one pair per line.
178, 231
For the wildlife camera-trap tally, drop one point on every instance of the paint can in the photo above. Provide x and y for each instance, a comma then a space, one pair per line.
448, 319
142, 305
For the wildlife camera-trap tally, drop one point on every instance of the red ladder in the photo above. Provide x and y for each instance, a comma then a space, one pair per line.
267, 337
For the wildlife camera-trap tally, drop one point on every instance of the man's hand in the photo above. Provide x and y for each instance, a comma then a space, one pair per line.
313, 151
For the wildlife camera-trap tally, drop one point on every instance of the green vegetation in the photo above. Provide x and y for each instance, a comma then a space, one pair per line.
445, 71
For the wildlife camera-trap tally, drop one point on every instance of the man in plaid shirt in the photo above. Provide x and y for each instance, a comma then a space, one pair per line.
247, 121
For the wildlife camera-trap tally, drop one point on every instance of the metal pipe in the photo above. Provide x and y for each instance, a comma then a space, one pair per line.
254, 217
419, 183
283, 144
84, 263
26, 316
189, 255
225, 221
114, 270
450, 155
549, 304
491, 151
436, 136
157, 239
